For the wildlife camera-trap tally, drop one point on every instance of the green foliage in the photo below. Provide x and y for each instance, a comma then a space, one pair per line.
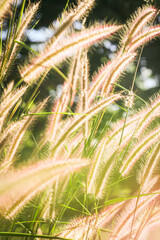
81, 179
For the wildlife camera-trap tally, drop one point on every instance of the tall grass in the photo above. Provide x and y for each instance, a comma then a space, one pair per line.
86, 184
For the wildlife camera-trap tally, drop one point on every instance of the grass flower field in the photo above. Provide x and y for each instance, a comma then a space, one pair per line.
81, 181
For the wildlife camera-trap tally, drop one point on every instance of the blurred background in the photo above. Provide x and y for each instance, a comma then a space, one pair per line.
148, 77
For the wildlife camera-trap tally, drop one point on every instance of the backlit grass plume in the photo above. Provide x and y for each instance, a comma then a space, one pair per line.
136, 24
20, 186
77, 174
52, 56
4, 7
14, 38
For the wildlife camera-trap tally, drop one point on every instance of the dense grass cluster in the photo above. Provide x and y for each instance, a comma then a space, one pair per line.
86, 184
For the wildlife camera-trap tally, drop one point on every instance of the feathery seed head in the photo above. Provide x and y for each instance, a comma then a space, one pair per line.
10, 98
86, 227
77, 12
49, 57
140, 149
69, 17
151, 164
20, 186
8, 161
27, 17
135, 25
4, 7
78, 121
149, 114
117, 67
129, 100
143, 38
108, 75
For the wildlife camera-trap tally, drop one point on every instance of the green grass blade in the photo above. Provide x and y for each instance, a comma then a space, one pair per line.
49, 113
15, 234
